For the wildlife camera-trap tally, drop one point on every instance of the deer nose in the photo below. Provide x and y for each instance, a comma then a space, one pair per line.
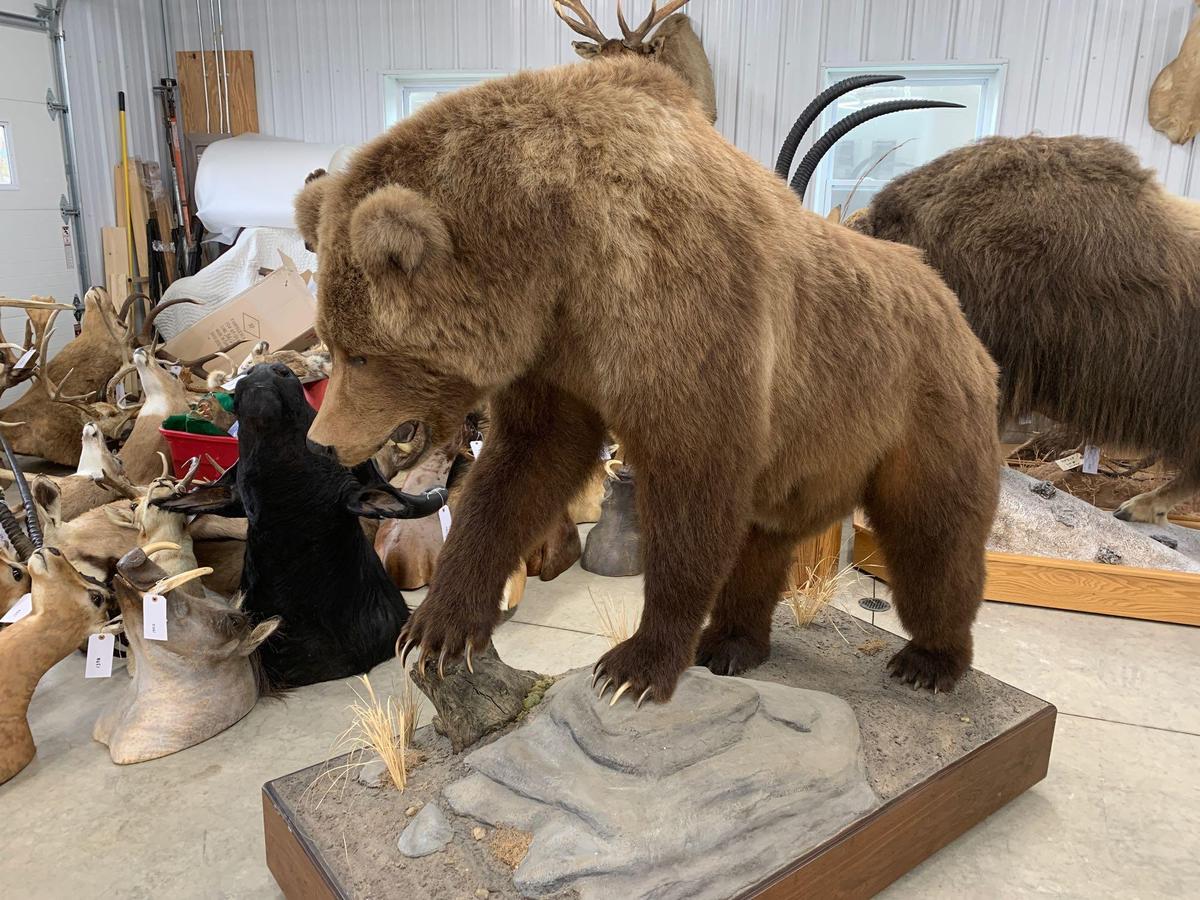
322, 450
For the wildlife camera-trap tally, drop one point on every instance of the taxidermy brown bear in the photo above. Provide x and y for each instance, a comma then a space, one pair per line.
579, 246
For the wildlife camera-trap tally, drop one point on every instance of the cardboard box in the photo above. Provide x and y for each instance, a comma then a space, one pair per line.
281, 310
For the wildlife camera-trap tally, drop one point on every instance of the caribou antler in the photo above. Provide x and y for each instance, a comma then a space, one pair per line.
637, 36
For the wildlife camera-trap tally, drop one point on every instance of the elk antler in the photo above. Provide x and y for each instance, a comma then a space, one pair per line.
637, 35
587, 27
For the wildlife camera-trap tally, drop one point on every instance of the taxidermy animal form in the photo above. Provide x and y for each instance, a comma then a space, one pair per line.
1082, 277
66, 609
91, 359
307, 559
673, 43
1175, 94
459, 264
614, 546
195, 684
18, 362
163, 394
79, 492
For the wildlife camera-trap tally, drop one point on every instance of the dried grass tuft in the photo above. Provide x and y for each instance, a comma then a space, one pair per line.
807, 600
617, 622
509, 845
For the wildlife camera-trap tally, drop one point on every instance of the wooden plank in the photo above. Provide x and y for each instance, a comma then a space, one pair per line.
818, 553
872, 853
141, 212
243, 103
1157, 595
297, 868
116, 264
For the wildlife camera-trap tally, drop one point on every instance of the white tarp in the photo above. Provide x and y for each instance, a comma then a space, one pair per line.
230, 274
252, 180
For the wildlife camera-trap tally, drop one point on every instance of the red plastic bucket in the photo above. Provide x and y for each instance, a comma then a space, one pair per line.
184, 445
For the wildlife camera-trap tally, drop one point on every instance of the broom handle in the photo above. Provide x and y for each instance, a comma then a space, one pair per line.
125, 171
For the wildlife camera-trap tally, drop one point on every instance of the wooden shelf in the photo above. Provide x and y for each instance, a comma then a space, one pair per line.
1154, 594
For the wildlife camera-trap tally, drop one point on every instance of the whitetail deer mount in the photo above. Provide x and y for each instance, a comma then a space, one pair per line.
673, 42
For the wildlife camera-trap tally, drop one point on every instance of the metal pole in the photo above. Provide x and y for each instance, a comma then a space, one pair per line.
16, 20
203, 68
212, 15
168, 60
224, 65
54, 24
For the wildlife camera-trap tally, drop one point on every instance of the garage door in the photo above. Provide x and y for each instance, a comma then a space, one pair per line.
34, 256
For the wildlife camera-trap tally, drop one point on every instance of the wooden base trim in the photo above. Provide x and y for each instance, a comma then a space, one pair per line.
874, 852
1153, 594
297, 867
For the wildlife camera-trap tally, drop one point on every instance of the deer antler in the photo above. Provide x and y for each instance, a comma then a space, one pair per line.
118, 484
637, 35
587, 27
110, 419
38, 327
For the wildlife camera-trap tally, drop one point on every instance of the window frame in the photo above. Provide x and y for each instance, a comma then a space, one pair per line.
397, 81
15, 184
991, 73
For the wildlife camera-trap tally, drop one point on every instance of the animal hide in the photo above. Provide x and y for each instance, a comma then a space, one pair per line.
1175, 94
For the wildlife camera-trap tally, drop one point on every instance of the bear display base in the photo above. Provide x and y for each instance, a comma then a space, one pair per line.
939, 765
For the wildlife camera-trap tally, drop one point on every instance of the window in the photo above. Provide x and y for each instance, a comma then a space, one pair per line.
406, 92
879, 150
8, 166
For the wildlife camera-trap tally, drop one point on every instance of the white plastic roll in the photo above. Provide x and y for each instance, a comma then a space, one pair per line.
252, 180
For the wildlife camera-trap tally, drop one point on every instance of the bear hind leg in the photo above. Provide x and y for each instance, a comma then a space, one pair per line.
932, 522
738, 635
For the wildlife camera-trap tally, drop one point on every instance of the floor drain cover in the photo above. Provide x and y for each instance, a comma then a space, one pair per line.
874, 604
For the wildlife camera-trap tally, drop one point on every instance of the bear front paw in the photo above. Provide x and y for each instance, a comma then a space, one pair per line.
643, 667
444, 630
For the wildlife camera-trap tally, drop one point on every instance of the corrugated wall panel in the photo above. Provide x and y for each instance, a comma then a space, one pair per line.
1073, 65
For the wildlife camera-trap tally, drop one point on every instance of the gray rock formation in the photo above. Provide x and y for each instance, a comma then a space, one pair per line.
374, 774
695, 799
428, 832
1030, 523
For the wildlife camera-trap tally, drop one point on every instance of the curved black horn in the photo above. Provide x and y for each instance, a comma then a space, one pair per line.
783, 165
22, 544
812, 158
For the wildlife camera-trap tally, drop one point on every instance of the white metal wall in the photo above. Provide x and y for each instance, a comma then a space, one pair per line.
1073, 65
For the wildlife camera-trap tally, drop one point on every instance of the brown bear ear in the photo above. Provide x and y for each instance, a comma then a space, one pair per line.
308, 206
395, 229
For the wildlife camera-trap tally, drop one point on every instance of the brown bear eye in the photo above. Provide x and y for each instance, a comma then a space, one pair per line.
358, 361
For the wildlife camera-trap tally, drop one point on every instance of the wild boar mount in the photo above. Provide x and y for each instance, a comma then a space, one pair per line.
307, 559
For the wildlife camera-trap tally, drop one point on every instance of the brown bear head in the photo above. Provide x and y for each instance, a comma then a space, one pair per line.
388, 296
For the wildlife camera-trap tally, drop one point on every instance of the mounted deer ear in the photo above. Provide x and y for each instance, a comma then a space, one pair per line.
308, 206
397, 229
48, 499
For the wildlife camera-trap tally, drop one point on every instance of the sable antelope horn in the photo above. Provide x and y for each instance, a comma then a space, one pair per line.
812, 158
783, 164
24, 545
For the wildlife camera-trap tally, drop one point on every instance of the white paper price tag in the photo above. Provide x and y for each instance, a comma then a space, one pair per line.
154, 617
605, 453
176, 370
233, 429
1091, 460
476, 446
25, 358
120, 392
18, 610
100, 656
1069, 462
444, 518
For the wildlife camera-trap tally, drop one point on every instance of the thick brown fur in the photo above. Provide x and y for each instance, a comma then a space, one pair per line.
1080, 275
615, 264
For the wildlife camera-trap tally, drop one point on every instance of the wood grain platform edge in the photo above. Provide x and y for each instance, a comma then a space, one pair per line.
875, 851
295, 864
1157, 595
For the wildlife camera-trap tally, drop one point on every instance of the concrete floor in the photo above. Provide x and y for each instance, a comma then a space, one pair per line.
1119, 814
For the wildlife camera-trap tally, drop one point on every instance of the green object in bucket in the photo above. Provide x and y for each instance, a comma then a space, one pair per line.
192, 424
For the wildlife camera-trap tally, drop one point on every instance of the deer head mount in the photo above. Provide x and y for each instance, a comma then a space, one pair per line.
673, 43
